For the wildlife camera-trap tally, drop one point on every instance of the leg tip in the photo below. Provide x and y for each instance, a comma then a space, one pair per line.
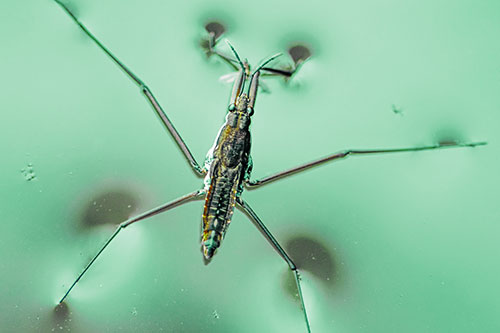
61, 309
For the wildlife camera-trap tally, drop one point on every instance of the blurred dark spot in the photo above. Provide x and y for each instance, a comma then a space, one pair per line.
61, 311
447, 142
111, 207
290, 286
311, 256
448, 136
61, 317
215, 28
397, 109
299, 53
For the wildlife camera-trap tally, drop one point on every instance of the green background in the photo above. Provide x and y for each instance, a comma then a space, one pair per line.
401, 243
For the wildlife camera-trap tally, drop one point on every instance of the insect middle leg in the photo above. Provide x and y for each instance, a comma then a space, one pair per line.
147, 93
277, 247
160, 209
346, 153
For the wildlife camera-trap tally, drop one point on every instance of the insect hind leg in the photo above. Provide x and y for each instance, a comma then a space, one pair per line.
160, 209
245, 207
146, 92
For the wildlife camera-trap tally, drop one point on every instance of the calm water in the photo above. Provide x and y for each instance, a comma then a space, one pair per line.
402, 243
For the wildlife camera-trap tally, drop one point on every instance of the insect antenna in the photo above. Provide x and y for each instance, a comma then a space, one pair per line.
236, 55
266, 62
239, 84
252, 91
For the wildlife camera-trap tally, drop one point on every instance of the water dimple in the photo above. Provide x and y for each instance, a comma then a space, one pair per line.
61, 317
311, 255
215, 28
28, 172
112, 206
299, 53
397, 110
447, 142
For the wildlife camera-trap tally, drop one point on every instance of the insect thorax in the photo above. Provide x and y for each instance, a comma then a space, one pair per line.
228, 164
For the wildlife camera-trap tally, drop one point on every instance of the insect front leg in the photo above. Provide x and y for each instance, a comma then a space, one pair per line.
299, 54
352, 152
245, 207
155, 211
210, 50
147, 93
298, 57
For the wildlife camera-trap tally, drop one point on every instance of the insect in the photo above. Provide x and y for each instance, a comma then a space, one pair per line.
228, 166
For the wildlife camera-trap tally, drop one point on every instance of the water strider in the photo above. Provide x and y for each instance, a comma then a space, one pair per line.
227, 168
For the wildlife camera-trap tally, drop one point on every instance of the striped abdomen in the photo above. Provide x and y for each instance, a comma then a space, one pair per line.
219, 207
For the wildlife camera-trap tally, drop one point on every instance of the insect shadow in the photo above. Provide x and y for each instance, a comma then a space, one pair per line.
110, 207
61, 318
315, 257
227, 169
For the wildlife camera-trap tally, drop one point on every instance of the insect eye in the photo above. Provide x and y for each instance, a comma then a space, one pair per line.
231, 108
250, 111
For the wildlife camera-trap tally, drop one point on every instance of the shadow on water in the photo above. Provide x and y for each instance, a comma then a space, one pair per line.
216, 28
112, 206
61, 318
299, 53
310, 255
449, 136
215, 24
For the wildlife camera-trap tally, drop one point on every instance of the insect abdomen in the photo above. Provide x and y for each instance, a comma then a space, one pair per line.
219, 207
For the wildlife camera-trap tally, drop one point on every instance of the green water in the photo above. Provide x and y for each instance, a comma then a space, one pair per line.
402, 243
